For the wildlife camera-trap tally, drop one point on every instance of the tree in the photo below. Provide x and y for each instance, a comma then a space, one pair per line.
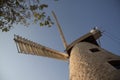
22, 12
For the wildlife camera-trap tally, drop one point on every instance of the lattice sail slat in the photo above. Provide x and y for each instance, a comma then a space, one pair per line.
29, 47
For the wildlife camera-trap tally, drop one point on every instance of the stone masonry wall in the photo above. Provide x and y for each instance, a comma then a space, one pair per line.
88, 65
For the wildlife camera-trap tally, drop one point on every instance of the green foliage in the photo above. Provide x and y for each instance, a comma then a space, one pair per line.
22, 12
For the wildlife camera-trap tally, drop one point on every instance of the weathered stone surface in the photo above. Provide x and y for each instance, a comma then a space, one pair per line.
88, 65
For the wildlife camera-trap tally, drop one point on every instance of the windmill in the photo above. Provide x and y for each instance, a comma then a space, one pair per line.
87, 60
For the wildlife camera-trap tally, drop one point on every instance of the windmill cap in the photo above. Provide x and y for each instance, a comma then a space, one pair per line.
96, 33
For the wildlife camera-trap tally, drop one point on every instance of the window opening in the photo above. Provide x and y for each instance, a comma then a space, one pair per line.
94, 50
115, 63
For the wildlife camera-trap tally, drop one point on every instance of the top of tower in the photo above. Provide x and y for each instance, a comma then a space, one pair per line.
96, 33
90, 37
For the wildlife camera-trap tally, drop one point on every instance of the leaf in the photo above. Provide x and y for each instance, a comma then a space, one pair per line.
43, 15
5, 30
17, 3
41, 24
1, 13
39, 16
33, 7
1, 23
46, 23
41, 7
36, 14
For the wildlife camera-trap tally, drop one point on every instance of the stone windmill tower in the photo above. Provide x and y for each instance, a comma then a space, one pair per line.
87, 60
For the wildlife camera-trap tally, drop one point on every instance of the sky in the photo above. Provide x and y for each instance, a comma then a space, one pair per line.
76, 17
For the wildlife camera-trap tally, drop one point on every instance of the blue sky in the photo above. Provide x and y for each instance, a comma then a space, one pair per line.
76, 18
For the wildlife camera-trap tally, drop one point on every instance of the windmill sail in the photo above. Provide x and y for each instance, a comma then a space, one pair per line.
29, 47
60, 30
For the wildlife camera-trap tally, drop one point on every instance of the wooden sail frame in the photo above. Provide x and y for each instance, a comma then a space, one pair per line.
29, 47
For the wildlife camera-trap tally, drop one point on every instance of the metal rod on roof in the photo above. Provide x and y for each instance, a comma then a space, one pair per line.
60, 30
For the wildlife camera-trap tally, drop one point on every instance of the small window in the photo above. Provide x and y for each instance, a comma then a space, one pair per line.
94, 50
115, 63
